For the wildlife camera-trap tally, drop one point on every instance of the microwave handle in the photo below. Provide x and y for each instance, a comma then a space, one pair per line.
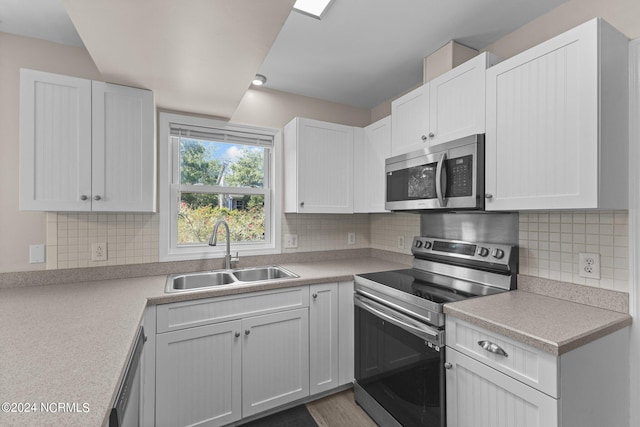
441, 180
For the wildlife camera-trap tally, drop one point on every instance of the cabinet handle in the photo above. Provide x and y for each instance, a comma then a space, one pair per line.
488, 196
247, 331
83, 197
96, 197
431, 134
314, 295
492, 348
448, 365
424, 137
302, 204
237, 334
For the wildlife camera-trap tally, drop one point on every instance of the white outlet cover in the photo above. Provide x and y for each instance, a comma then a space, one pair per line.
351, 238
589, 265
400, 242
290, 241
99, 251
36, 254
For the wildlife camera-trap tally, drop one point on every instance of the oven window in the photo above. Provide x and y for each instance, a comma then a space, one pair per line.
399, 371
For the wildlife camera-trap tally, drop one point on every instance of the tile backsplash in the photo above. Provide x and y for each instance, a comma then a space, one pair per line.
550, 244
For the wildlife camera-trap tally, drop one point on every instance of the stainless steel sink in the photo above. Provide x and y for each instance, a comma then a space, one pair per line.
185, 282
262, 273
210, 279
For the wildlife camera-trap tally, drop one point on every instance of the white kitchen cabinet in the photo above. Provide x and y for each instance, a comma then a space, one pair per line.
222, 359
410, 121
323, 337
557, 125
457, 100
346, 333
85, 146
275, 360
449, 107
528, 387
199, 376
318, 170
370, 153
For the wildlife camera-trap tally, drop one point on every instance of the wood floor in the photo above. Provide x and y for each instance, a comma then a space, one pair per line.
339, 410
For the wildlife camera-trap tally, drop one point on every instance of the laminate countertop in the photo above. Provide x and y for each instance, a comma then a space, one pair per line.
549, 324
64, 347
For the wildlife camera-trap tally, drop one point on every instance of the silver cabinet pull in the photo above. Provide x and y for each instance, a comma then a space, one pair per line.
431, 135
488, 196
492, 348
237, 334
448, 365
83, 197
97, 197
302, 204
424, 137
314, 295
247, 331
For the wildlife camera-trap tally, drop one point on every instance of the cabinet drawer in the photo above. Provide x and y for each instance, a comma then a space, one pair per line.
525, 363
188, 314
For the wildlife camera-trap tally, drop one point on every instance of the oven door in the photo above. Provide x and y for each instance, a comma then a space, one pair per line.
399, 371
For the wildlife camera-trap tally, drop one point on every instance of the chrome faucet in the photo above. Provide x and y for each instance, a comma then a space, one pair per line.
213, 241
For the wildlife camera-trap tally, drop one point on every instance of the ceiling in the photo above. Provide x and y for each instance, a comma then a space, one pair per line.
200, 55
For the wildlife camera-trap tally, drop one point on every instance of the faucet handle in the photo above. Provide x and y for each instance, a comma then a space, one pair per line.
235, 259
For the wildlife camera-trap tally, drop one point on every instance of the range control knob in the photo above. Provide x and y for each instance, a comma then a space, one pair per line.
482, 251
497, 253
418, 244
427, 245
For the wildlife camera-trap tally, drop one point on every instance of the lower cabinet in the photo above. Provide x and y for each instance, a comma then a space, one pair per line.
219, 360
494, 381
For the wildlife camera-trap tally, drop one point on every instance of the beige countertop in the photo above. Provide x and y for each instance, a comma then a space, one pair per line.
549, 324
69, 343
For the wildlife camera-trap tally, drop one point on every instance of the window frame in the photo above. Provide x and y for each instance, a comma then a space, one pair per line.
168, 191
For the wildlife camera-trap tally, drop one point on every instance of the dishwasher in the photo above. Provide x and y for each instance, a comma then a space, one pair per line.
126, 408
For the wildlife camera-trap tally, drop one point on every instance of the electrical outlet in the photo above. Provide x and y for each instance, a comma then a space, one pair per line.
351, 238
290, 241
400, 242
590, 265
99, 251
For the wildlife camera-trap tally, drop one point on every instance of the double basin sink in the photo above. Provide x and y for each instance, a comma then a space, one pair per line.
210, 279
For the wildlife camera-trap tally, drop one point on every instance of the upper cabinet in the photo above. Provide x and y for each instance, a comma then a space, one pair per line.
85, 145
449, 107
370, 152
557, 123
318, 167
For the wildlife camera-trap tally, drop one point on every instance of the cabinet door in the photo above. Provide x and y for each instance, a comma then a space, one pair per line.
479, 396
370, 153
346, 337
55, 142
198, 376
325, 167
410, 121
124, 149
323, 337
457, 102
542, 125
275, 360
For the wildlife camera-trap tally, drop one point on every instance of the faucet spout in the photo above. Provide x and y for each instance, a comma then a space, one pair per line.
214, 240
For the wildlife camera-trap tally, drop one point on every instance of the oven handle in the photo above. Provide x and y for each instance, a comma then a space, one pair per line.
416, 328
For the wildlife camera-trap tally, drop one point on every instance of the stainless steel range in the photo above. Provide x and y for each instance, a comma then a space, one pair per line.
400, 325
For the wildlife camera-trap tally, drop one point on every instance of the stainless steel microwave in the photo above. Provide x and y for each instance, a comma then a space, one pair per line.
447, 176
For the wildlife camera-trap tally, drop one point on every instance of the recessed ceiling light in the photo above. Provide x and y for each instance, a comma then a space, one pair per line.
259, 80
313, 8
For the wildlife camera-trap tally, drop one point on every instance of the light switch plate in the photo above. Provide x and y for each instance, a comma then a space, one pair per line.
36, 254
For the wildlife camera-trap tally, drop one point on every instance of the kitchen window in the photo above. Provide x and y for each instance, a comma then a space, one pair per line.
211, 170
